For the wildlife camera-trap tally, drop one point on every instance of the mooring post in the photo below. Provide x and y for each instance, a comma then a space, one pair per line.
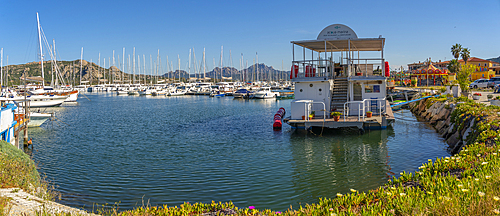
26, 135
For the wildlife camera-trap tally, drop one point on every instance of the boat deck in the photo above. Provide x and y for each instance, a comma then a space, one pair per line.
374, 122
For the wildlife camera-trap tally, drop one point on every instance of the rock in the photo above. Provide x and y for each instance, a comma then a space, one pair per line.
457, 148
440, 115
450, 130
439, 125
453, 139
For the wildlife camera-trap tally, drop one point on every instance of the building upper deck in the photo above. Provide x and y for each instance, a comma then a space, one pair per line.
318, 56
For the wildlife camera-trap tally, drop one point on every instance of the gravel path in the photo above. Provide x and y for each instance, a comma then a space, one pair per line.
25, 204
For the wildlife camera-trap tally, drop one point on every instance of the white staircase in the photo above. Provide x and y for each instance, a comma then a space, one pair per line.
339, 94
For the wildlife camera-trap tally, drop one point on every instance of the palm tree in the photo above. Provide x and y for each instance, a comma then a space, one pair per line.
456, 50
465, 54
453, 66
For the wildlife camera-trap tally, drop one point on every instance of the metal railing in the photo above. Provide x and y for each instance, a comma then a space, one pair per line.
306, 109
363, 105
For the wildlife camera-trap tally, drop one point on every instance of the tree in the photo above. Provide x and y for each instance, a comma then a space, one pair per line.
465, 54
463, 76
456, 50
453, 66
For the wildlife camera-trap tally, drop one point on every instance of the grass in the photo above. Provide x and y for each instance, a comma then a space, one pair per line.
17, 170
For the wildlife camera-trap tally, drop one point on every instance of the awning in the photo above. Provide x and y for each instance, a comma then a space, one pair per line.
360, 44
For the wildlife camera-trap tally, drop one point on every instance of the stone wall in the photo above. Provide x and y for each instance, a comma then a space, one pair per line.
438, 114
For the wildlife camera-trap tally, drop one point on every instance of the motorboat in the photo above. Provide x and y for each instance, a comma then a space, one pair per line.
240, 93
265, 93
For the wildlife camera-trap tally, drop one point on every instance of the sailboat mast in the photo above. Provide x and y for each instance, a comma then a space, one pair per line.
179, 66
221, 54
189, 65
139, 68
1, 68
133, 68
40, 44
144, 68
231, 65
204, 64
123, 65
81, 64
99, 70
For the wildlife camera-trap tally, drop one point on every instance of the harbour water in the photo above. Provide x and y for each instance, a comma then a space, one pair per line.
169, 150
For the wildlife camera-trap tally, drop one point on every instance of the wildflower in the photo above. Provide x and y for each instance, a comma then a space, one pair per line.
393, 188
333, 214
496, 211
496, 198
494, 153
460, 186
251, 207
389, 193
278, 212
484, 163
458, 179
488, 177
402, 194
354, 191
430, 193
446, 161
466, 150
481, 194
339, 194
476, 179
479, 155
331, 209
401, 173
440, 197
465, 190
430, 160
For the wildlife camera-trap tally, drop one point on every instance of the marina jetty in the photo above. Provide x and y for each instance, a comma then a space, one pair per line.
464, 184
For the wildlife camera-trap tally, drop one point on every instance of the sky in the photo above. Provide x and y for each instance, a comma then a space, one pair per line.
414, 30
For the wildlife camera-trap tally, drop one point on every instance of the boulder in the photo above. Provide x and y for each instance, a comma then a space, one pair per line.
453, 139
439, 125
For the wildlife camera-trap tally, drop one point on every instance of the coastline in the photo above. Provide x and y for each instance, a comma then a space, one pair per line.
439, 186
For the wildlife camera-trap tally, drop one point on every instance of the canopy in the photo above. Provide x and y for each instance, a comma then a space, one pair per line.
360, 44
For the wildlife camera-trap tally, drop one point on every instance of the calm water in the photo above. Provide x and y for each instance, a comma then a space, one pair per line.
170, 150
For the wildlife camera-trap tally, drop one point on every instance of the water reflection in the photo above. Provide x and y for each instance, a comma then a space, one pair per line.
337, 161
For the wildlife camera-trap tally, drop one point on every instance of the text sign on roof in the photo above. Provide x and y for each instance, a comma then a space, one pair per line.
337, 32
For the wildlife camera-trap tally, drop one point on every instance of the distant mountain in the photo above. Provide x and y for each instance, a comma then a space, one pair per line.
497, 59
262, 72
69, 71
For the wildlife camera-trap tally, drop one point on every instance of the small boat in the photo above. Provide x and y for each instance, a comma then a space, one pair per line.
37, 119
265, 93
240, 93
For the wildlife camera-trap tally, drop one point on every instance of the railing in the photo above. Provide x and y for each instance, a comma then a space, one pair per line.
363, 105
306, 109
314, 68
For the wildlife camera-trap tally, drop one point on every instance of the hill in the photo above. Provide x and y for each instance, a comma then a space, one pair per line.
69, 72
497, 59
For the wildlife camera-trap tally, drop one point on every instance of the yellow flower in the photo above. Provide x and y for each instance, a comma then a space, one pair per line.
402, 194
479, 155
339, 194
494, 153
430, 160
354, 191
481, 194
496, 211
484, 163
447, 157
460, 186
465, 190
393, 188
447, 198
446, 161
488, 177
389, 193
401, 173
496, 198
430, 193
476, 179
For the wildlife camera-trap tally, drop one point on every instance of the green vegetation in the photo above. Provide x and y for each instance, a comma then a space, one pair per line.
463, 76
19, 171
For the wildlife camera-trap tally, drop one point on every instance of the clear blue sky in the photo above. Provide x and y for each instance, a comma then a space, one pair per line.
414, 30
